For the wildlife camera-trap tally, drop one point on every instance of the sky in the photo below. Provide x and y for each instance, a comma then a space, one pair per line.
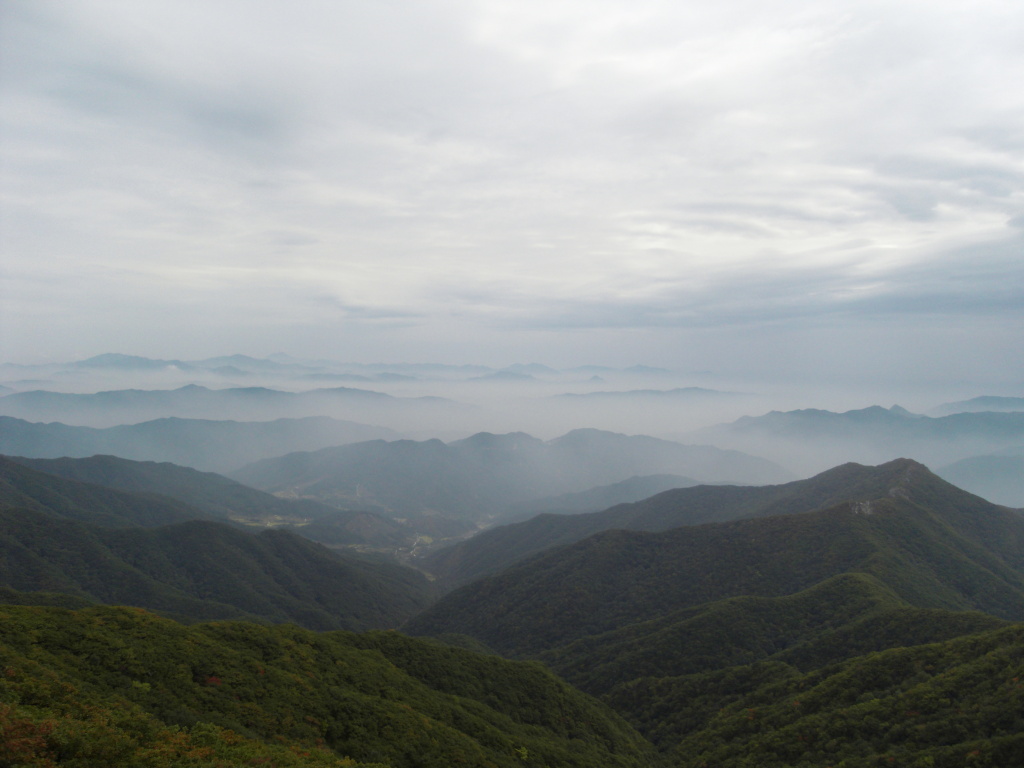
831, 187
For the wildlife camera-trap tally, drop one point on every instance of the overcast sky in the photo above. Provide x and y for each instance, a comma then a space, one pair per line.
730, 185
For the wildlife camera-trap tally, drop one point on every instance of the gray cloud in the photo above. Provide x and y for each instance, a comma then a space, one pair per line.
420, 168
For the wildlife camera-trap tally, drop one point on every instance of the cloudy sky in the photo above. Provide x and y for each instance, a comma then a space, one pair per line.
730, 185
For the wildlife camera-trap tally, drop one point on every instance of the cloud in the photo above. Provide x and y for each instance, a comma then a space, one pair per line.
535, 165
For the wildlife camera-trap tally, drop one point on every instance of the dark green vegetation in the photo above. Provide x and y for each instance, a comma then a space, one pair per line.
202, 571
934, 545
121, 687
860, 618
498, 548
59, 535
24, 487
871, 631
486, 476
216, 446
220, 498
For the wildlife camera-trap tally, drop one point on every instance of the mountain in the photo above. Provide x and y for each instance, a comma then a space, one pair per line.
684, 394
983, 403
869, 632
999, 478
497, 548
122, 688
484, 476
129, 406
812, 440
25, 487
216, 446
603, 496
932, 544
206, 570
111, 546
220, 498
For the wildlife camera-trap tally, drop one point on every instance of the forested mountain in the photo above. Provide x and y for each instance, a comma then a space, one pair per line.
60, 535
224, 499
204, 570
931, 543
215, 446
812, 440
863, 632
123, 688
486, 476
22, 486
127, 406
498, 548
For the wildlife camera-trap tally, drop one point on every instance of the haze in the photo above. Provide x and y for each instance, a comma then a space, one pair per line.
826, 193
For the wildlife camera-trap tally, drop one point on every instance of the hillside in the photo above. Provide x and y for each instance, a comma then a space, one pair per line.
865, 632
121, 687
206, 570
215, 446
497, 548
224, 499
932, 544
487, 476
22, 486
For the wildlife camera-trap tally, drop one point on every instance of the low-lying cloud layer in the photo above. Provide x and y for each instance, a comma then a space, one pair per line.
726, 186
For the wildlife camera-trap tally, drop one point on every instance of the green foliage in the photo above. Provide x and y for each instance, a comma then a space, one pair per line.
956, 703
931, 544
123, 687
205, 570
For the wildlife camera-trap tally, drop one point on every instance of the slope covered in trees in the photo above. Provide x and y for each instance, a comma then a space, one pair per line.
495, 549
932, 544
864, 633
218, 497
202, 570
122, 687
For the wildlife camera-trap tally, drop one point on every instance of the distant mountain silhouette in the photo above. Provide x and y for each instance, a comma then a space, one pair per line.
203, 444
104, 409
977, 404
812, 440
485, 476
999, 478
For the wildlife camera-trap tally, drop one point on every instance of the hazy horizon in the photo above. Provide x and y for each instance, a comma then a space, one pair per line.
820, 197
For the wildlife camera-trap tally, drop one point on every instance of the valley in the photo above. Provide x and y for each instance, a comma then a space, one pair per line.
306, 588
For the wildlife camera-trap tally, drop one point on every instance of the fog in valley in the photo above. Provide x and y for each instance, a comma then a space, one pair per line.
541, 383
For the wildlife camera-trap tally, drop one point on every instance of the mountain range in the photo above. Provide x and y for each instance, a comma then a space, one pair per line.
822, 632
812, 440
860, 615
131, 406
147, 550
484, 477
220, 498
215, 446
